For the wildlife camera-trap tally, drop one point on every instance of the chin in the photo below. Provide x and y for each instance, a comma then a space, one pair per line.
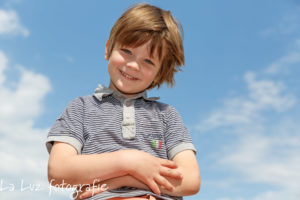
124, 90
130, 92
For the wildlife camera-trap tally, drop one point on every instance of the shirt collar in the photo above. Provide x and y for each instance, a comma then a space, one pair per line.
102, 91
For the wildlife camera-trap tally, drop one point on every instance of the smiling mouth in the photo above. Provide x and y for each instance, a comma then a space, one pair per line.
128, 76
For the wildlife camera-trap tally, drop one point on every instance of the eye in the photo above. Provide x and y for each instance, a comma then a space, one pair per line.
149, 61
126, 51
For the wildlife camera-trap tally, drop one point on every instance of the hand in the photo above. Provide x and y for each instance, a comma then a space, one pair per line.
151, 170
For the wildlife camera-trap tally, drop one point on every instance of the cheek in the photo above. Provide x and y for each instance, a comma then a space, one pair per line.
116, 60
150, 74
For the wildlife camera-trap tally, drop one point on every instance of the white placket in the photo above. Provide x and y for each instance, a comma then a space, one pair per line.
128, 124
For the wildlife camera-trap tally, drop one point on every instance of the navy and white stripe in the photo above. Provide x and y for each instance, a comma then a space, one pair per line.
94, 124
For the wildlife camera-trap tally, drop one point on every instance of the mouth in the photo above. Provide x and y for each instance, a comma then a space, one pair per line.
127, 76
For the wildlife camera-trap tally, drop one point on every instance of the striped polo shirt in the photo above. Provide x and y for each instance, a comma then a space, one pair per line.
107, 122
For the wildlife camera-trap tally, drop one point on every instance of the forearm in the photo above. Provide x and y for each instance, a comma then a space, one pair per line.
123, 181
188, 185
65, 166
181, 187
111, 184
191, 181
84, 169
130, 181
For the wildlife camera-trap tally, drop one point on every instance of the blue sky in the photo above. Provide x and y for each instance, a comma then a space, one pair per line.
238, 95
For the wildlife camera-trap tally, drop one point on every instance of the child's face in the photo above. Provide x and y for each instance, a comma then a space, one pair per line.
132, 70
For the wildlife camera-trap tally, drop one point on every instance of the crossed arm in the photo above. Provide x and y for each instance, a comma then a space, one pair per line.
133, 168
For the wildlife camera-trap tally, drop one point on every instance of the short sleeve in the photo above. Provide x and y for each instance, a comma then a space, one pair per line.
177, 137
68, 127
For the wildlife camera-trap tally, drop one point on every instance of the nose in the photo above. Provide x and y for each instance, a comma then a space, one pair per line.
133, 64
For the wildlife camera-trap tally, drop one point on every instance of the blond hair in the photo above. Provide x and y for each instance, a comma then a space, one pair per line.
142, 23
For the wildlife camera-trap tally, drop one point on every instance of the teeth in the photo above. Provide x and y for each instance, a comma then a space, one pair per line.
127, 76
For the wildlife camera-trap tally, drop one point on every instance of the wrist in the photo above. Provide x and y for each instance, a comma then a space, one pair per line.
115, 183
124, 162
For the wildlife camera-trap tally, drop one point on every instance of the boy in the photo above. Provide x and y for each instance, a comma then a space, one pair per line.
136, 145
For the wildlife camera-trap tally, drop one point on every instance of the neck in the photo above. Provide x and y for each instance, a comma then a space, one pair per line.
126, 95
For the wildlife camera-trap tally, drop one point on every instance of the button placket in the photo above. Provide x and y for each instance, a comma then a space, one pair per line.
128, 124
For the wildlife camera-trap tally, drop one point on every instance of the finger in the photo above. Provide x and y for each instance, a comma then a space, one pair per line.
78, 192
164, 183
76, 195
154, 187
168, 163
173, 173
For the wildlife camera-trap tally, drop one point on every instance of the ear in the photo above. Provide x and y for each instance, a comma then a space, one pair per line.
106, 50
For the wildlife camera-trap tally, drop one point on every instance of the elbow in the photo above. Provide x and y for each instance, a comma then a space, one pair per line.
196, 186
55, 175
60, 174
53, 179
195, 183
193, 187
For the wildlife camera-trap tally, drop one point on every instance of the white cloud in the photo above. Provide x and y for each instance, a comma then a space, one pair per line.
267, 158
3, 64
284, 63
10, 24
265, 144
262, 95
271, 195
287, 25
22, 149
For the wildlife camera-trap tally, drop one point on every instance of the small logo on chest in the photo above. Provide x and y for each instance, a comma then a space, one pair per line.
156, 144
